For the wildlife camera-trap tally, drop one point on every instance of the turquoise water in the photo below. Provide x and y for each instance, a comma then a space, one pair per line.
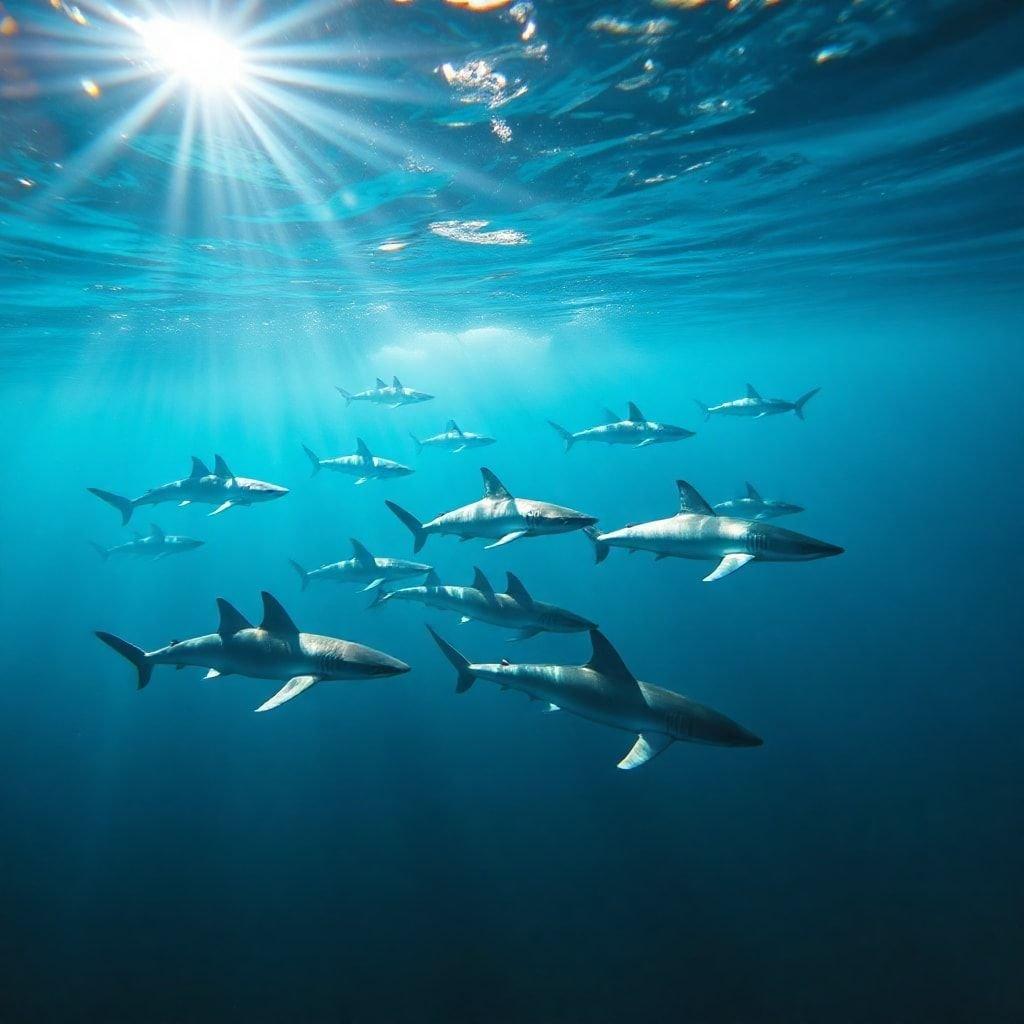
678, 201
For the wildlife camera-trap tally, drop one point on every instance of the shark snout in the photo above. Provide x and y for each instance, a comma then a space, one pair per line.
385, 665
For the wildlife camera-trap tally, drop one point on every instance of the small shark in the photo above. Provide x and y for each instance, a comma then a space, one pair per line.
156, 545
496, 515
363, 568
697, 533
754, 405
604, 690
454, 439
753, 506
393, 397
221, 488
364, 464
515, 609
635, 430
273, 650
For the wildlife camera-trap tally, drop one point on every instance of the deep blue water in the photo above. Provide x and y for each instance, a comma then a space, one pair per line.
391, 851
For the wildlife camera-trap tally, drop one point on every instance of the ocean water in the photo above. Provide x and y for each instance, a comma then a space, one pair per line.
200, 241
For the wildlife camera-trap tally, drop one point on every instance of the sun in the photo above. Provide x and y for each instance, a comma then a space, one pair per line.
194, 53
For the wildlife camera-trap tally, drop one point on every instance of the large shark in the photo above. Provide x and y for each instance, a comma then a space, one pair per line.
636, 430
453, 439
754, 405
156, 545
604, 690
394, 396
496, 515
221, 488
696, 532
515, 609
273, 650
753, 506
363, 567
364, 464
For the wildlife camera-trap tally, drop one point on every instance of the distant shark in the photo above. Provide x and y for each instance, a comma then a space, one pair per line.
221, 488
156, 545
696, 532
753, 506
636, 430
394, 396
756, 406
515, 609
496, 515
364, 464
604, 690
273, 650
363, 568
453, 440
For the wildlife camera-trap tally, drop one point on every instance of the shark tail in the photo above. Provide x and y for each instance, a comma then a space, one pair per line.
344, 394
703, 408
600, 548
461, 664
798, 405
135, 655
419, 535
563, 433
303, 575
313, 458
123, 505
417, 442
100, 550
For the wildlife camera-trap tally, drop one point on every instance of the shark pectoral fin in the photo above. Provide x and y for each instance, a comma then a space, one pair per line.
362, 480
290, 689
464, 620
507, 539
645, 442
524, 634
212, 674
222, 508
182, 504
550, 708
372, 585
727, 566
461, 448
462, 540
660, 555
645, 748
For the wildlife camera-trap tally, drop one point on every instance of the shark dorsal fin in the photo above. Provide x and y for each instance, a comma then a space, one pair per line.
361, 553
493, 487
517, 591
231, 619
395, 382
481, 582
220, 468
606, 661
690, 501
199, 468
635, 415
275, 618
432, 579
136, 534
156, 533
453, 427
363, 449
752, 492
380, 383
610, 417
751, 393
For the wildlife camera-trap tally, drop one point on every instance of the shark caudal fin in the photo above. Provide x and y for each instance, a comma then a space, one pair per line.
344, 394
563, 434
416, 441
100, 550
314, 460
419, 535
303, 575
461, 664
798, 405
123, 505
600, 548
703, 408
135, 655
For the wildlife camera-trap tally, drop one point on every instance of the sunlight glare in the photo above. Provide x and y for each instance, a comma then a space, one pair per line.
193, 52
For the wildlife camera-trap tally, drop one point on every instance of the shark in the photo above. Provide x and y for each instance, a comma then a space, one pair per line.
364, 464
697, 532
393, 396
275, 649
156, 545
454, 439
363, 567
636, 430
515, 609
752, 404
498, 516
201, 487
753, 506
604, 690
